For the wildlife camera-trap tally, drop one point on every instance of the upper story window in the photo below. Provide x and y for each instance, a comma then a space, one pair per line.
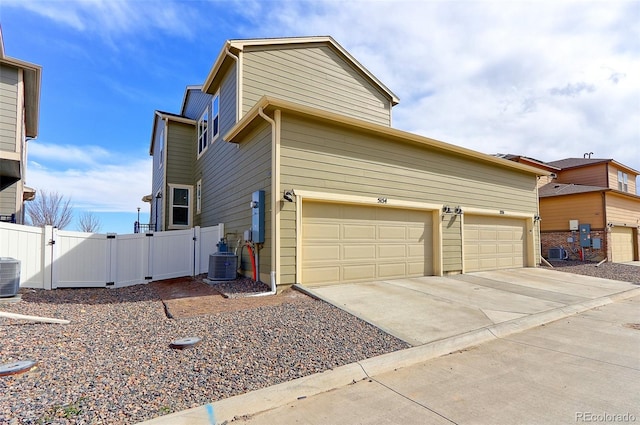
203, 129
623, 181
215, 116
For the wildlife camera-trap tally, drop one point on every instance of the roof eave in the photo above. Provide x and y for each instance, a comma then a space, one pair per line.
269, 103
32, 82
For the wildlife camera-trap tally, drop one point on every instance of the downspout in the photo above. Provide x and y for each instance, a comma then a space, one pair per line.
238, 86
275, 191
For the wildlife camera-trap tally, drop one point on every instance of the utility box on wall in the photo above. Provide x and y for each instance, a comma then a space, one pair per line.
573, 224
257, 216
585, 235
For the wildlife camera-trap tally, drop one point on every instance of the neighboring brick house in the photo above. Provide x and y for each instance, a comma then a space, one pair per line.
600, 193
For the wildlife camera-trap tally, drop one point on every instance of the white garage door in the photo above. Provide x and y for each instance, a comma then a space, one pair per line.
351, 243
622, 244
492, 243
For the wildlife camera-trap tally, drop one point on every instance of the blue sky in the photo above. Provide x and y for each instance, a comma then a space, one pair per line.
549, 80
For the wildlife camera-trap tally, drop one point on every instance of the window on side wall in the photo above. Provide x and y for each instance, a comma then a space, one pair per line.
199, 197
180, 206
623, 182
203, 130
215, 116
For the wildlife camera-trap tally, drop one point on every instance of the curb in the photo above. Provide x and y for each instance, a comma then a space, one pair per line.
220, 412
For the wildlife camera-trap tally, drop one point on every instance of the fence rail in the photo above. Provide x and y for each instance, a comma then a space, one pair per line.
52, 258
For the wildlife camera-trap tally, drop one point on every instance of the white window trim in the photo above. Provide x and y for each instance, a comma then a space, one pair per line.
189, 206
215, 136
205, 143
199, 196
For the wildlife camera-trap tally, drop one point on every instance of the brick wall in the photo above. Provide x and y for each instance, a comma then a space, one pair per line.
559, 239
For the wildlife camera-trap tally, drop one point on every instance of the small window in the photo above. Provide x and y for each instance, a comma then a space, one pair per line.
203, 127
623, 182
180, 206
199, 197
215, 116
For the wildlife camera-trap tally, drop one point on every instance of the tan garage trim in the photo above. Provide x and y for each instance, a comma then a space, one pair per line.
492, 243
621, 244
352, 243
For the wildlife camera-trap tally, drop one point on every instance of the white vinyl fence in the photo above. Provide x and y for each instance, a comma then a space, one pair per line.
52, 258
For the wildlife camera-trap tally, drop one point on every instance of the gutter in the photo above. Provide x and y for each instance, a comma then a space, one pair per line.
275, 190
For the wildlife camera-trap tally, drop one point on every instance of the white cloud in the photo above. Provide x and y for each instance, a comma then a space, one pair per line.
543, 79
93, 182
67, 154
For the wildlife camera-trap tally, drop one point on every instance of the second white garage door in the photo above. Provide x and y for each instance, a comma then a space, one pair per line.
492, 243
351, 243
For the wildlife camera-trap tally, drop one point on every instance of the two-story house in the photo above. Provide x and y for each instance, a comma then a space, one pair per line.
347, 197
19, 114
589, 207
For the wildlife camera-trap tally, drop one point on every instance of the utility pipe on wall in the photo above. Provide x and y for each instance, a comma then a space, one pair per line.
275, 191
238, 86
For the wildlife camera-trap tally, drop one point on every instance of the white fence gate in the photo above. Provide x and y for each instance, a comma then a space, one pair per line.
52, 258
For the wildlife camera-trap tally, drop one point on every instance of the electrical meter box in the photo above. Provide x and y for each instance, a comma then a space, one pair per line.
585, 235
257, 216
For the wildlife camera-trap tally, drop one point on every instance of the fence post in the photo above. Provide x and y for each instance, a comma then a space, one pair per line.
195, 264
47, 254
112, 261
55, 253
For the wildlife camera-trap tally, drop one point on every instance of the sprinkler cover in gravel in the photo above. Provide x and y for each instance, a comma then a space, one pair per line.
182, 343
15, 368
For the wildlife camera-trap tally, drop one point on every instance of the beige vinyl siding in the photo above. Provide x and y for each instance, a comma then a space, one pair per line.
157, 183
451, 244
227, 185
593, 175
8, 199
623, 210
336, 159
181, 148
312, 76
556, 211
8, 108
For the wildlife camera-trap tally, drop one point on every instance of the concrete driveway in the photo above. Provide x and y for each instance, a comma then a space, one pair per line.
426, 309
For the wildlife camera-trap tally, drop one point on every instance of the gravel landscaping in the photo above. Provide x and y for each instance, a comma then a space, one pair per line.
113, 364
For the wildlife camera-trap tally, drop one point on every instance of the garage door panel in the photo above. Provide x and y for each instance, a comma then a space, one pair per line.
351, 272
356, 252
392, 232
392, 251
321, 231
321, 274
321, 253
392, 270
354, 231
374, 242
493, 243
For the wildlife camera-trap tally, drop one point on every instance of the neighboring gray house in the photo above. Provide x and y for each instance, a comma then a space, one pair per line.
19, 114
348, 197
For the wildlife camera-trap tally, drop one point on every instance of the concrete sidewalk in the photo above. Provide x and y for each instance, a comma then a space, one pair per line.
438, 316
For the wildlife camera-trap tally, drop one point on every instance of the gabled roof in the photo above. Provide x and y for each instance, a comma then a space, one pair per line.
185, 97
234, 46
557, 189
252, 117
527, 160
569, 163
166, 116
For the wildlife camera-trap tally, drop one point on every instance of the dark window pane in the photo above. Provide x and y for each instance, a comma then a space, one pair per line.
180, 216
181, 197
